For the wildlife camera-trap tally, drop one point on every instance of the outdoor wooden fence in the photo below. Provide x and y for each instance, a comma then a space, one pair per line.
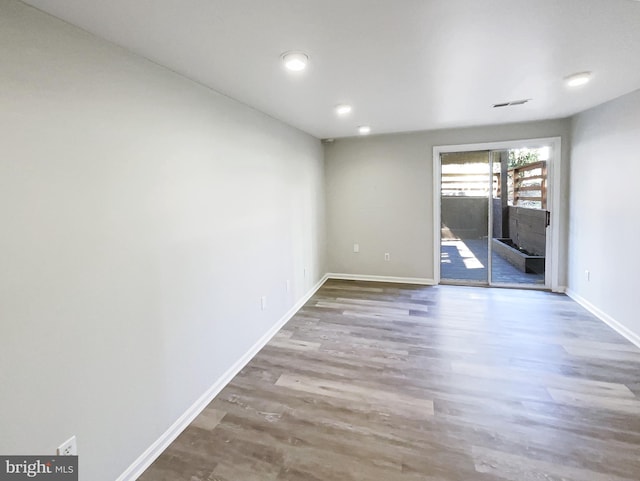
527, 185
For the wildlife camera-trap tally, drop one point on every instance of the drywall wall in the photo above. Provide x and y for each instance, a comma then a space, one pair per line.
604, 226
380, 195
143, 217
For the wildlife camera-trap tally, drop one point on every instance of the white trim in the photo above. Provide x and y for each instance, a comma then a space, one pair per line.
437, 222
136, 469
396, 280
606, 318
554, 173
552, 279
490, 221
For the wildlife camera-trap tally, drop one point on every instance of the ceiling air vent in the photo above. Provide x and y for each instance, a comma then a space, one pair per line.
508, 104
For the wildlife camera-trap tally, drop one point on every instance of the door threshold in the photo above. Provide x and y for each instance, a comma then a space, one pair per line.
461, 282
528, 287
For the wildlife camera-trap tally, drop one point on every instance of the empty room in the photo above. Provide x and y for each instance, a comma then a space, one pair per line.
344, 240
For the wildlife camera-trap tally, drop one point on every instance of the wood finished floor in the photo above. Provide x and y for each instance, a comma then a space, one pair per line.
379, 382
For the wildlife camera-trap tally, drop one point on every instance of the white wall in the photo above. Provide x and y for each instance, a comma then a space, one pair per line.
605, 222
380, 195
142, 217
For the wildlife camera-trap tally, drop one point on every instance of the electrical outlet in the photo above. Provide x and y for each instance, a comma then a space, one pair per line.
356, 247
587, 275
387, 256
68, 448
263, 303
288, 285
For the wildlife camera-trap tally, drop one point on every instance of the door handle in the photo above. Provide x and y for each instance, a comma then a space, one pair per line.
548, 220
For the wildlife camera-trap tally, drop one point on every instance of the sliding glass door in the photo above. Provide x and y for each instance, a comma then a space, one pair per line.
494, 217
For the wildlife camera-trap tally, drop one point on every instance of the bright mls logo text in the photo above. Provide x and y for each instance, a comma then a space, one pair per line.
51, 468
30, 469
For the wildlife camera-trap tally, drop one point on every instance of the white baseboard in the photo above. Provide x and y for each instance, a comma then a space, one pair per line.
606, 318
145, 460
397, 280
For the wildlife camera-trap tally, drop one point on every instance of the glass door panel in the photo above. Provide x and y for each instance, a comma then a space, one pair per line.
519, 216
466, 184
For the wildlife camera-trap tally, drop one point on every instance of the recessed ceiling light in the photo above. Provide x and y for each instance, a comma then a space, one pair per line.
578, 79
343, 109
295, 61
364, 129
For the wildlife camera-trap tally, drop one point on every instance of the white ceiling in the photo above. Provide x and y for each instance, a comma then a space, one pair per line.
403, 64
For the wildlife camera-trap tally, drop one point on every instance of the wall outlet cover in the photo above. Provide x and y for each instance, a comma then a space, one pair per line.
68, 448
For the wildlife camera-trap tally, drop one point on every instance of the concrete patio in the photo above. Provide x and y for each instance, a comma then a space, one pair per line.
466, 260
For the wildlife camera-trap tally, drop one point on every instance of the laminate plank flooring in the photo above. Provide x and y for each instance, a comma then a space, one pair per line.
377, 382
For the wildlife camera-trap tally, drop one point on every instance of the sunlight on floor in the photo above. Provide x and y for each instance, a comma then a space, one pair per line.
469, 259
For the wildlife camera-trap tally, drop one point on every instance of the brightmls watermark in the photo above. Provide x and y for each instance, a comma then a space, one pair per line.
50, 468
